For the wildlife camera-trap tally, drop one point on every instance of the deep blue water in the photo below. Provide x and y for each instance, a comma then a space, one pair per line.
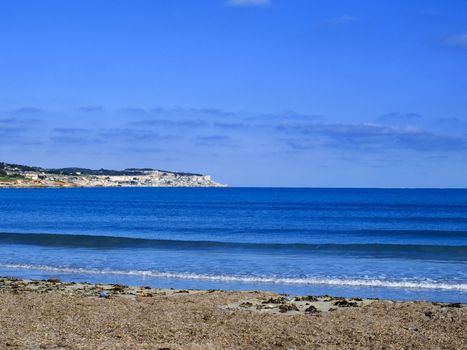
398, 244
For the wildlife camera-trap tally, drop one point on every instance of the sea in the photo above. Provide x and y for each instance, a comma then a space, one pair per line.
401, 244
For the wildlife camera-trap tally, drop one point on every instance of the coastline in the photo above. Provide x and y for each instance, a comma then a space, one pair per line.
53, 314
24, 176
62, 185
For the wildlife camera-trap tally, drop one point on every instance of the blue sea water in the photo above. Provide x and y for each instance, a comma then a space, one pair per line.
386, 243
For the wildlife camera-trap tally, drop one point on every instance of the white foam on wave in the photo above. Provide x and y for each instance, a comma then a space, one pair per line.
401, 284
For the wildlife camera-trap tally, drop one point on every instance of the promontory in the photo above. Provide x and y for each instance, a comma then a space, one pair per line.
15, 175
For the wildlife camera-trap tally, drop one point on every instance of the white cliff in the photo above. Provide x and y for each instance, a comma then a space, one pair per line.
12, 175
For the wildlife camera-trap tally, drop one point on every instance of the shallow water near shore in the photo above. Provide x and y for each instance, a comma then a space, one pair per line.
393, 244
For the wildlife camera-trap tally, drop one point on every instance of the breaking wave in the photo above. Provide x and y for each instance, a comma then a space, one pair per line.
399, 284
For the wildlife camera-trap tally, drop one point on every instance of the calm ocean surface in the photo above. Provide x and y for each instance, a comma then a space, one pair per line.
398, 244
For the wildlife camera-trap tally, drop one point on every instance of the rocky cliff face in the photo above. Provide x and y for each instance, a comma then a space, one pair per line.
13, 175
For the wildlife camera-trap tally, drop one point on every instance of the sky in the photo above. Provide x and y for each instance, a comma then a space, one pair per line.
301, 93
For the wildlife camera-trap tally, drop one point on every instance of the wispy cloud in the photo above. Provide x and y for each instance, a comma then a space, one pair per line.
133, 110
213, 111
72, 131
369, 137
23, 122
8, 133
400, 118
457, 41
213, 140
229, 125
74, 140
27, 110
73, 136
9, 121
186, 129
170, 123
246, 3
128, 134
139, 150
452, 123
90, 109
340, 20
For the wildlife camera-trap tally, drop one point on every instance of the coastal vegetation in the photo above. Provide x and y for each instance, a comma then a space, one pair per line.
6, 177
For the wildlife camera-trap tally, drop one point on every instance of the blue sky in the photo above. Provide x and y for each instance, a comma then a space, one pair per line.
254, 92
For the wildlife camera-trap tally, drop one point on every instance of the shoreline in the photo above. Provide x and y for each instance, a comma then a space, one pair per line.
369, 289
68, 185
55, 314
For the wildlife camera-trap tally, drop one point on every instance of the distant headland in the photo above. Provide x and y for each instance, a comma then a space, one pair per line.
16, 176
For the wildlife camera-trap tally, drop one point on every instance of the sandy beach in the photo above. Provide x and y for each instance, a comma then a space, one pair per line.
55, 315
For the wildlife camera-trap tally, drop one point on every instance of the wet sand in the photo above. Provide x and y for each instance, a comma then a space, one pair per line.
55, 315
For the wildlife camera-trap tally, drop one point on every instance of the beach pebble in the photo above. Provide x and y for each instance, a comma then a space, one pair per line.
345, 303
287, 307
103, 295
53, 280
311, 310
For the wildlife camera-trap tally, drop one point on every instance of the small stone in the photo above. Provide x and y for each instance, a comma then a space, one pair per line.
288, 307
345, 303
280, 300
246, 304
306, 298
457, 305
53, 280
311, 310
119, 287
